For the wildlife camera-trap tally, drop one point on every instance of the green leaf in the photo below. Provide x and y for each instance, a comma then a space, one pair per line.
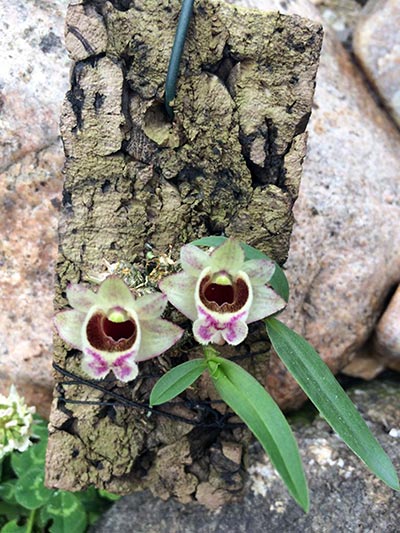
13, 527
7, 491
317, 381
30, 491
109, 495
66, 513
12, 510
278, 281
212, 241
252, 403
40, 428
33, 457
176, 381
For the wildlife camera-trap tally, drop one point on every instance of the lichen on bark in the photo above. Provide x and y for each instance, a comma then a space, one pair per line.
230, 163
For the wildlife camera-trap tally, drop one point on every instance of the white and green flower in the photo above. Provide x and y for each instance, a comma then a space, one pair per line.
114, 330
221, 292
15, 423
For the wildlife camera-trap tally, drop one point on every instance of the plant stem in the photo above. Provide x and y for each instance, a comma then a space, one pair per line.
210, 352
176, 54
31, 520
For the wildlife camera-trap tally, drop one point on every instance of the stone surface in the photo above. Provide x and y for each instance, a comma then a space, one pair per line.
33, 80
340, 15
33, 76
377, 47
387, 333
344, 258
345, 496
30, 192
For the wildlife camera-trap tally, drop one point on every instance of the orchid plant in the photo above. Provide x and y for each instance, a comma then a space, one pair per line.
221, 290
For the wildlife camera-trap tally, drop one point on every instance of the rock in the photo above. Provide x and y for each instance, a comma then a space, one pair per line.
340, 15
30, 192
345, 496
365, 364
343, 260
33, 78
377, 47
387, 333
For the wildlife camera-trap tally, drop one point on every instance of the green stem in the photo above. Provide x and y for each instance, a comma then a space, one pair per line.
31, 520
176, 54
209, 352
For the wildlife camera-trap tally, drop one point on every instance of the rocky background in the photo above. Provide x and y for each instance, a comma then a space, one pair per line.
344, 262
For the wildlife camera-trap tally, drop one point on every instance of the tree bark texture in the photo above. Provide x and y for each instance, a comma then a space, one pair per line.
137, 183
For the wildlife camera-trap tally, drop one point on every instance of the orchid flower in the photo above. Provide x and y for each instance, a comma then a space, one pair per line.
221, 292
114, 330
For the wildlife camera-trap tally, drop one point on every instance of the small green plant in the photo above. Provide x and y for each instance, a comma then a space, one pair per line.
27, 506
221, 292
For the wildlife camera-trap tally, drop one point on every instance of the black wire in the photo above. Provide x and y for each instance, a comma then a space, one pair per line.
205, 407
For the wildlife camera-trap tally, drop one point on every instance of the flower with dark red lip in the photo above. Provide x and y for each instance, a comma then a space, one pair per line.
221, 292
114, 330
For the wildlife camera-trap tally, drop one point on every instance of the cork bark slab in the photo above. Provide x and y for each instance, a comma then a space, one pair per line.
136, 183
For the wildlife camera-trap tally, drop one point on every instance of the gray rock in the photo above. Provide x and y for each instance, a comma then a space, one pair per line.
33, 76
377, 47
345, 496
340, 15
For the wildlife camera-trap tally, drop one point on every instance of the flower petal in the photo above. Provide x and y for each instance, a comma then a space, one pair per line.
219, 327
95, 364
235, 332
80, 297
266, 302
157, 336
204, 331
193, 259
229, 256
113, 292
69, 327
124, 368
150, 305
260, 271
179, 289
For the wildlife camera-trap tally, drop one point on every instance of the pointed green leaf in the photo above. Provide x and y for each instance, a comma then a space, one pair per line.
278, 281
176, 381
317, 381
252, 403
212, 241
